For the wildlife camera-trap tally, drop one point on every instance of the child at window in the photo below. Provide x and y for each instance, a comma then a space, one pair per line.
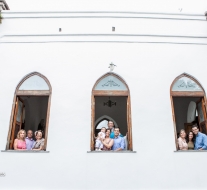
101, 135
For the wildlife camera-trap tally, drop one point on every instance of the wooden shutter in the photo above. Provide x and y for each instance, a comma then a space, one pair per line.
17, 121
202, 117
92, 121
129, 125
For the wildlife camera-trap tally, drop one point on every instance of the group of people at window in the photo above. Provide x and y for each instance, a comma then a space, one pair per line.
194, 140
26, 142
110, 139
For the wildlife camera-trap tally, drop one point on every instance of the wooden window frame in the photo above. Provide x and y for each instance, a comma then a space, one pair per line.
31, 93
111, 93
184, 94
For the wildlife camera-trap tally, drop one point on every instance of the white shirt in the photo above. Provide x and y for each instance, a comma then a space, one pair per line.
101, 135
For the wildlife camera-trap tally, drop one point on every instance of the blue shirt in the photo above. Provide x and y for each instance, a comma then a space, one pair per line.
201, 141
29, 143
112, 135
118, 143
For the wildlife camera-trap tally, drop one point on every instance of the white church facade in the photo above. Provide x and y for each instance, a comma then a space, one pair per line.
73, 71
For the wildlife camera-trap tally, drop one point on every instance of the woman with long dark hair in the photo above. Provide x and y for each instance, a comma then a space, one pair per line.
107, 142
190, 140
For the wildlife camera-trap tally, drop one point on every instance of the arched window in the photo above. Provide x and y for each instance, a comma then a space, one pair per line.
111, 101
31, 107
188, 102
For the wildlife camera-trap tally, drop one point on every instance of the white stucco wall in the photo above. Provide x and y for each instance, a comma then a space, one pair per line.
149, 64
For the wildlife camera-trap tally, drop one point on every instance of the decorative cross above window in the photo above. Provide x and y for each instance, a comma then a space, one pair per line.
111, 66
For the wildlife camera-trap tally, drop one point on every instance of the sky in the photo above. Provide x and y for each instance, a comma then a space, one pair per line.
164, 6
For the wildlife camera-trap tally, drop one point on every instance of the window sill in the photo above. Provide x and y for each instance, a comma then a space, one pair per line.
123, 151
25, 151
190, 151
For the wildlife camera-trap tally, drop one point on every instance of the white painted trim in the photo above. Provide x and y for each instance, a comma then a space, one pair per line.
103, 14
103, 38
122, 151
138, 42
121, 17
24, 151
99, 35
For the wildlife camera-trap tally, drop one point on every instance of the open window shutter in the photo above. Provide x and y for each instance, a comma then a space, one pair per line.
203, 124
202, 117
13, 125
129, 133
92, 123
17, 121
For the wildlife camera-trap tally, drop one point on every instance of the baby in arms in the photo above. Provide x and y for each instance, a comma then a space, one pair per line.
101, 135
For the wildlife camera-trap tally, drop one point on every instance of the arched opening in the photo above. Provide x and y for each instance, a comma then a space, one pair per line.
103, 122
111, 101
188, 102
31, 107
105, 117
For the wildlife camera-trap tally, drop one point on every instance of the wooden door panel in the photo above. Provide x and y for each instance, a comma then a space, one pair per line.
92, 123
13, 125
202, 116
129, 133
17, 121
188, 127
203, 126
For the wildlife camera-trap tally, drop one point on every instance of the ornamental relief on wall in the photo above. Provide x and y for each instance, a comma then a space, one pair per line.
110, 83
186, 84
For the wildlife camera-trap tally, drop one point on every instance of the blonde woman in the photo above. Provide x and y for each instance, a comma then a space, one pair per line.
19, 142
39, 143
182, 144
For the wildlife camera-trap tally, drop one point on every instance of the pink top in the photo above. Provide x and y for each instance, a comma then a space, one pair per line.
21, 144
104, 147
182, 144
